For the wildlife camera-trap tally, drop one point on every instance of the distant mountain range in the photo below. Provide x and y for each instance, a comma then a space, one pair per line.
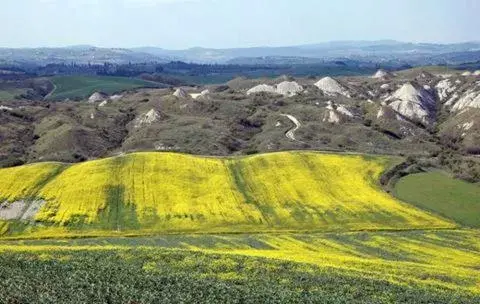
367, 50
373, 51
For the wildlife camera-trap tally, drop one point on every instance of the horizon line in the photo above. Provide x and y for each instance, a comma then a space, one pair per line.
241, 47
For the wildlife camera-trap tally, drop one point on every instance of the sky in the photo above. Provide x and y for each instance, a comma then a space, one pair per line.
180, 24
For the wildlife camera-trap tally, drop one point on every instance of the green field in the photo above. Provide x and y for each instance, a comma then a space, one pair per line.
438, 192
9, 94
74, 87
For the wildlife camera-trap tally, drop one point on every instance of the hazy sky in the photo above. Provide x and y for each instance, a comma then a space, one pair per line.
177, 24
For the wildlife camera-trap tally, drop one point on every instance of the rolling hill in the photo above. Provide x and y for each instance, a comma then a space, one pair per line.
224, 226
167, 192
287, 226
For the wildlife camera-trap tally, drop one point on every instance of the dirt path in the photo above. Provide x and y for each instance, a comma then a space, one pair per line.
51, 92
291, 133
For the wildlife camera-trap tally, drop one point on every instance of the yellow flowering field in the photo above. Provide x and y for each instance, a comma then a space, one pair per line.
169, 192
23, 181
77, 191
445, 260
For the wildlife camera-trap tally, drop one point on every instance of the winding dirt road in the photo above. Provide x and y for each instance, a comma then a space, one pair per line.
291, 133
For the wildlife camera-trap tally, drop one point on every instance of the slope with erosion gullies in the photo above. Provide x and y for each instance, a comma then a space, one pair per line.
417, 112
169, 192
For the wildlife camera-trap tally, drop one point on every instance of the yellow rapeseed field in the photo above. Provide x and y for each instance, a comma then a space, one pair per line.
77, 191
24, 181
169, 192
449, 259
446, 259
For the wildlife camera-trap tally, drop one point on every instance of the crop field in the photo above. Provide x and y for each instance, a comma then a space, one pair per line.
74, 87
286, 227
361, 267
168, 192
438, 192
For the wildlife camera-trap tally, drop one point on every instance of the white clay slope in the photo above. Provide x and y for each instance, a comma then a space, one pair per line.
444, 88
382, 74
470, 99
180, 93
331, 87
289, 88
199, 95
147, 118
262, 88
285, 88
96, 97
336, 114
414, 103
344, 111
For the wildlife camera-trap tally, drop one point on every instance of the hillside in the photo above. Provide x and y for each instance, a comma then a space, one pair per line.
429, 114
167, 192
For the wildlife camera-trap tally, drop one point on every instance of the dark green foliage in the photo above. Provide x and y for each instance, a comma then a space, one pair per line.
163, 276
118, 215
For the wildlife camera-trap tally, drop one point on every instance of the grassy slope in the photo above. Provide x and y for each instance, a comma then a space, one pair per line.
9, 94
168, 192
365, 267
83, 86
438, 192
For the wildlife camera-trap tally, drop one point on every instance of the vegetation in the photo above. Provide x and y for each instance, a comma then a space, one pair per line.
438, 192
10, 94
25, 181
169, 192
297, 195
78, 87
366, 267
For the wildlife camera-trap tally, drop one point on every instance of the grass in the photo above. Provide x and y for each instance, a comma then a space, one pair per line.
9, 94
438, 192
169, 192
74, 87
373, 267
434, 69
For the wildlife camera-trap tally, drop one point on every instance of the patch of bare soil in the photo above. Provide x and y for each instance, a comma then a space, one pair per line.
12, 211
